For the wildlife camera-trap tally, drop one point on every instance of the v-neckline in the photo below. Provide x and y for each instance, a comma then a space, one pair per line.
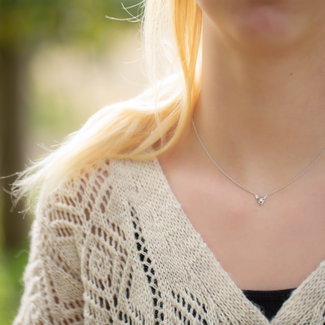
298, 291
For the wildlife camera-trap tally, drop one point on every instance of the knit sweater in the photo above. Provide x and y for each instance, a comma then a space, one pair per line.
114, 246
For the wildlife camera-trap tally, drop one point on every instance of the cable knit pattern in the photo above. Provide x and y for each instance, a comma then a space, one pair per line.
114, 246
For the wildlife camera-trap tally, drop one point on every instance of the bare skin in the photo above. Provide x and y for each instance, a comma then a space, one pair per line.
262, 116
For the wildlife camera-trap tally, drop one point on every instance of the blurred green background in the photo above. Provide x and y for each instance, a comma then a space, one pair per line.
60, 61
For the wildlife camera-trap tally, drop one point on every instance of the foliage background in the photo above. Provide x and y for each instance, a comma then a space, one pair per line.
60, 61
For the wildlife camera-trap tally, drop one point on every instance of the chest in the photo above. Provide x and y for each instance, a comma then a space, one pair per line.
262, 248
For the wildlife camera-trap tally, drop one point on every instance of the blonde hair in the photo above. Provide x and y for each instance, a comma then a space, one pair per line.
145, 126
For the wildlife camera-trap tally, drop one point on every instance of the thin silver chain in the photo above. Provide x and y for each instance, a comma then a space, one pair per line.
259, 198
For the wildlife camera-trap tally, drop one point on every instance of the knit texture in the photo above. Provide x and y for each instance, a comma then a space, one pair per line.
114, 246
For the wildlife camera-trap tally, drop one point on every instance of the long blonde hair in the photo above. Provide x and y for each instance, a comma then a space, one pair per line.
145, 126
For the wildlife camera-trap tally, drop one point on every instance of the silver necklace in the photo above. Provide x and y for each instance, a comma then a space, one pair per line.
260, 199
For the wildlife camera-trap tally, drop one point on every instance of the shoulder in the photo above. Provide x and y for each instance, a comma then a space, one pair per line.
95, 190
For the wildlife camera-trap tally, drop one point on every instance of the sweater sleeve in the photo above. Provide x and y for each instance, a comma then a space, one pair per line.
53, 290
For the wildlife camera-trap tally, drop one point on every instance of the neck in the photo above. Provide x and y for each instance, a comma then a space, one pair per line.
261, 113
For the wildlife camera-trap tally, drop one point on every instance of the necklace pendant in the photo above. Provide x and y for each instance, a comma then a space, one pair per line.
260, 199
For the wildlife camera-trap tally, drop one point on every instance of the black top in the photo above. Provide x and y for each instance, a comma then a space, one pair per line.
268, 301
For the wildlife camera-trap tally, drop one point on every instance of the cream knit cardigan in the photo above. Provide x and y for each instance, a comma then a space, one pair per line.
115, 247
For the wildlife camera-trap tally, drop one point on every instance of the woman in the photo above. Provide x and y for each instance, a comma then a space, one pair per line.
137, 222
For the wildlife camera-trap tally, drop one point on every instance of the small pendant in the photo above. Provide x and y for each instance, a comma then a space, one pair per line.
260, 199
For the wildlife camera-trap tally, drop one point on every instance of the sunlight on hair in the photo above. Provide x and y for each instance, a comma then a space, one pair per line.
145, 126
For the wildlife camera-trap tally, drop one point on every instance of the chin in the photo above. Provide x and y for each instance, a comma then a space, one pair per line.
264, 24
265, 27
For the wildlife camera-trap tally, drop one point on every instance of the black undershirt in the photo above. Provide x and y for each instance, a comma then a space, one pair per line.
268, 301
